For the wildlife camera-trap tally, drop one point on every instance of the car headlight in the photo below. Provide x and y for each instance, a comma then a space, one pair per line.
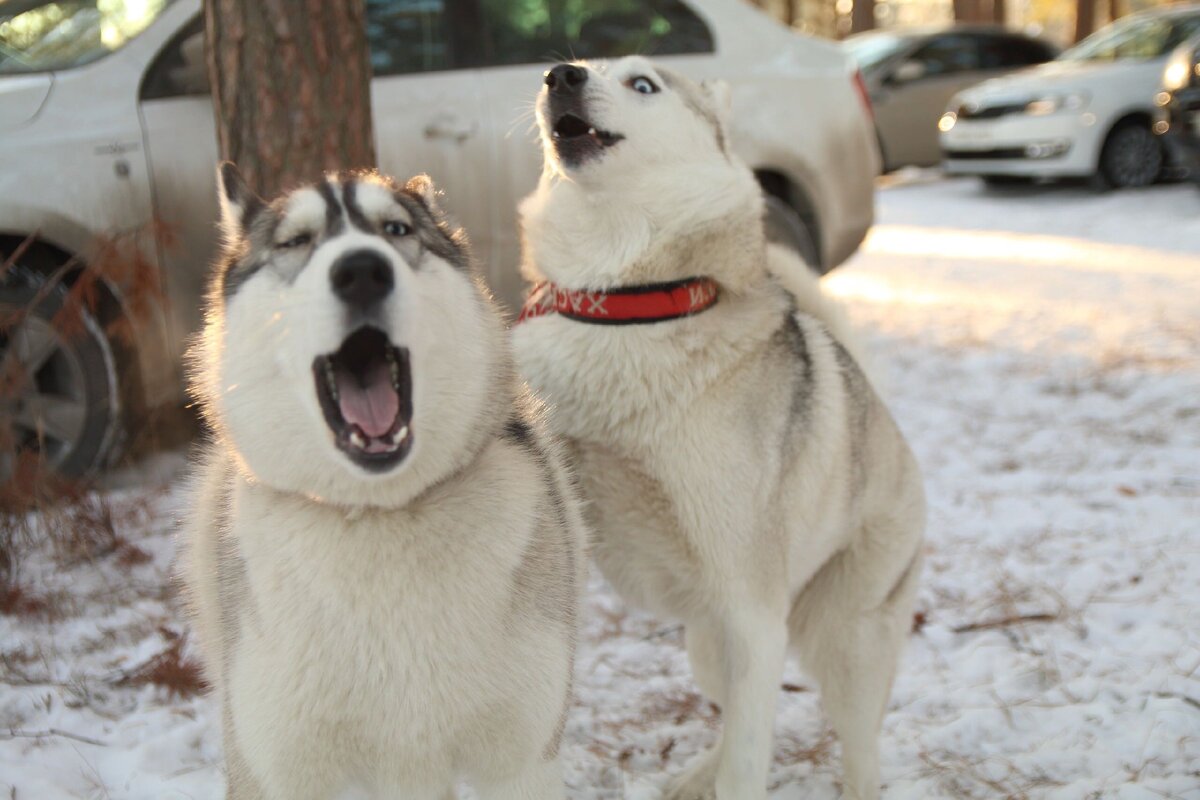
1178, 70
947, 121
1056, 102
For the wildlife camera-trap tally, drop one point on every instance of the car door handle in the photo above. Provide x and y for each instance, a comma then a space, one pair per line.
450, 127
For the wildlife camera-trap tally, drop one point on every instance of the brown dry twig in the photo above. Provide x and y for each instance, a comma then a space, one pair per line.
49, 732
1004, 622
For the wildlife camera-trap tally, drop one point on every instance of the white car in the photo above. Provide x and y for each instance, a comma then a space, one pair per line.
106, 124
1089, 113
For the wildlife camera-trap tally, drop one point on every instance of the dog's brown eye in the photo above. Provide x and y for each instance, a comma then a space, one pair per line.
396, 228
300, 240
642, 84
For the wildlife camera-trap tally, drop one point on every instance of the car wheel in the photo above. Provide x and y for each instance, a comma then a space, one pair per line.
785, 226
59, 398
1132, 157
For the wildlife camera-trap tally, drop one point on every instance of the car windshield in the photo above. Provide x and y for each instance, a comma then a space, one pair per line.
40, 36
1135, 38
872, 49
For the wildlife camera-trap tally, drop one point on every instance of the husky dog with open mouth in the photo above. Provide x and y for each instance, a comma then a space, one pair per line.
384, 548
740, 472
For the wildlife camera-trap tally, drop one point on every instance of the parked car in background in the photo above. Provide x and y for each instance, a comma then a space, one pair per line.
912, 74
1086, 114
106, 124
1179, 107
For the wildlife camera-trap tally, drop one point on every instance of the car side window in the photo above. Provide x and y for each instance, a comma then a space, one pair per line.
1184, 29
1006, 52
179, 69
946, 55
533, 31
408, 36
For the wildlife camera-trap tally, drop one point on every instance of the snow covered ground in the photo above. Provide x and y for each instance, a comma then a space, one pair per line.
1041, 349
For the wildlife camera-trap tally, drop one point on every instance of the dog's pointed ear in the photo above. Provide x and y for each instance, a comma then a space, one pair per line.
239, 204
422, 186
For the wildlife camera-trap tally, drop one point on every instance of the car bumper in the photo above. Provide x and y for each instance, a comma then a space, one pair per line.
1056, 145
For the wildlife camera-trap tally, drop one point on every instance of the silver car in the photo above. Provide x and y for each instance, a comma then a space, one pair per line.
1087, 114
106, 124
911, 74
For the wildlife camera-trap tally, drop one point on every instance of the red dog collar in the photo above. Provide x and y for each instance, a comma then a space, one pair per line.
632, 305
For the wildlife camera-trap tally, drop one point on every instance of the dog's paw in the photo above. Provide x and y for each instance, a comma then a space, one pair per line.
696, 782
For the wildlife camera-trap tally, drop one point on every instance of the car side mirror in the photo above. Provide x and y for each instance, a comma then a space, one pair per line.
908, 71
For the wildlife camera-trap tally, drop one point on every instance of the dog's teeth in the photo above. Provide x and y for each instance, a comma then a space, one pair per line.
555, 135
399, 436
330, 381
591, 131
357, 440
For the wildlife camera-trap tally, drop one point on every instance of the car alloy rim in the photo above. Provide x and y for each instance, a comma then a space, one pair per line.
1136, 158
42, 393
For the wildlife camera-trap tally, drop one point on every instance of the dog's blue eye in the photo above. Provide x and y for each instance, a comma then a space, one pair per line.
643, 84
396, 228
299, 240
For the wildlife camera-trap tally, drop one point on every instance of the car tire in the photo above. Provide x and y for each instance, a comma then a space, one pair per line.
785, 226
1132, 157
65, 404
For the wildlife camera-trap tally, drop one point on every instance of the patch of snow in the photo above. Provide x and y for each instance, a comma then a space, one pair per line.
1041, 351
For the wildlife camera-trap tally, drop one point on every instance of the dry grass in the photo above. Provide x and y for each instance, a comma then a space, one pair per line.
172, 669
16, 600
985, 777
74, 527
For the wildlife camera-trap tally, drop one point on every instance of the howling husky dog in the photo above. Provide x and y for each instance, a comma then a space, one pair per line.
740, 472
384, 547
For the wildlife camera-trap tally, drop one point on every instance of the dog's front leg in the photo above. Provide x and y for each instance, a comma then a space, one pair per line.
740, 652
754, 646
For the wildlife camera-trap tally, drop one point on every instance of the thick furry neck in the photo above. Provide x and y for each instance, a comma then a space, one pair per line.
645, 229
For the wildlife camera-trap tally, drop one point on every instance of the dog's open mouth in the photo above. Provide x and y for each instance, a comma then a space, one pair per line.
365, 391
575, 138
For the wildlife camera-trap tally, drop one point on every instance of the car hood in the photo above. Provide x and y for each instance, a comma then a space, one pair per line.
1053, 76
21, 97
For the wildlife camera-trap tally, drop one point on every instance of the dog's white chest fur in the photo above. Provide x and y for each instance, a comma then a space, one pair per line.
366, 627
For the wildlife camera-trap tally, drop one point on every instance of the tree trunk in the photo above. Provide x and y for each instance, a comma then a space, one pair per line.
1114, 10
964, 10
1000, 12
291, 88
1085, 18
789, 12
862, 16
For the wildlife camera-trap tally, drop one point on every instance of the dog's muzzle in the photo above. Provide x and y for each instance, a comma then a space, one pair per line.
574, 137
365, 392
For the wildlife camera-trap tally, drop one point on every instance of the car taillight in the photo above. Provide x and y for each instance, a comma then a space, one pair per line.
860, 87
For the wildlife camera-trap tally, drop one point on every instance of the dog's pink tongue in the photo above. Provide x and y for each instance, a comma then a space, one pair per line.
372, 407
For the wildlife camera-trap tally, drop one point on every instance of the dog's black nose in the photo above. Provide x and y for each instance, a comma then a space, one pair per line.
566, 78
362, 278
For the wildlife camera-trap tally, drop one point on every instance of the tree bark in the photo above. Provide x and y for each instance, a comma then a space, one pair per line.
789, 12
1000, 12
1114, 10
291, 88
1085, 19
862, 16
965, 10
